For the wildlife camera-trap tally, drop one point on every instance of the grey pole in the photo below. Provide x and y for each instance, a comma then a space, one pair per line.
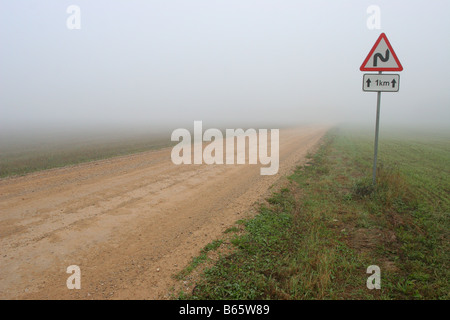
377, 127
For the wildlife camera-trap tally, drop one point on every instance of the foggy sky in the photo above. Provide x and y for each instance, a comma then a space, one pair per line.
167, 63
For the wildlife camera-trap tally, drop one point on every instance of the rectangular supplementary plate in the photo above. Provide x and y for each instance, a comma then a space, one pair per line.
373, 82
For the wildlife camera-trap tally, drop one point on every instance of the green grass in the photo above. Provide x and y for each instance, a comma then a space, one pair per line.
316, 238
24, 159
196, 261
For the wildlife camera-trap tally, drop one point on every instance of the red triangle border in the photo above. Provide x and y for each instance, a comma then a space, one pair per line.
382, 36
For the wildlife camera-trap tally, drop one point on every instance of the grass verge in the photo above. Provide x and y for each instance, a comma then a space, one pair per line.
316, 238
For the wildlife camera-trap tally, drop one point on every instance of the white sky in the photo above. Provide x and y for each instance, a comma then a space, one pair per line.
226, 62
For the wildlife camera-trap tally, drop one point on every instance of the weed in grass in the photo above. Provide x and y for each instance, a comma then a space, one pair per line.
231, 229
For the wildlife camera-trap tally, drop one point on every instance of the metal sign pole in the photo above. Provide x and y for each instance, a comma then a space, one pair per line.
377, 128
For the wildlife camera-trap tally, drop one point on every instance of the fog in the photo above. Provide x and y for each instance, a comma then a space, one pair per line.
159, 65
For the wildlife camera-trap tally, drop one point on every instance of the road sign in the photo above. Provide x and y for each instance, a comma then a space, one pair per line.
381, 82
381, 57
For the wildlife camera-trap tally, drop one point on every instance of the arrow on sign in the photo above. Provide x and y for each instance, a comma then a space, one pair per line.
393, 83
368, 83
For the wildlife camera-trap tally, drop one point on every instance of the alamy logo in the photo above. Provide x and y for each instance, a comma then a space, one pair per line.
374, 281
373, 21
73, 22
74, 281
213, 153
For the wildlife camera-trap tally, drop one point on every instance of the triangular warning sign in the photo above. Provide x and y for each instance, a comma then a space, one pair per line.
382, 57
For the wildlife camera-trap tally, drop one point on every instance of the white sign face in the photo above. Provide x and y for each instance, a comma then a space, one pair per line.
381, 82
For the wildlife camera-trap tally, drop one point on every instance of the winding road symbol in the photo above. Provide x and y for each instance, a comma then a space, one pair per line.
380, 56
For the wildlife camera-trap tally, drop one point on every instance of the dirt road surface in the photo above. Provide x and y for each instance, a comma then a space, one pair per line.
130, 223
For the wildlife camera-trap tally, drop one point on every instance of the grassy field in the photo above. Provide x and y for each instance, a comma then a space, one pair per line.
23, 158
316, 238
